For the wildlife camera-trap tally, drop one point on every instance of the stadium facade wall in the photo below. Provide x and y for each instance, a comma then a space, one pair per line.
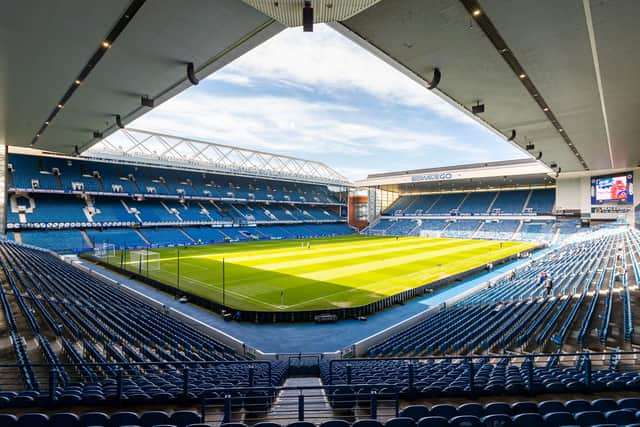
354, 221
300, 316
573, 194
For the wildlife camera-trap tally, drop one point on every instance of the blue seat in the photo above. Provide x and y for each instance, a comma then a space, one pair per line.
120, 419
33, 420
98, 419
359, 423
589, 418
620, 416
153, 418
200, 425
432, 421
497, 420
415, 411
335, 423
471, 409
267, 424
4, 401
342, 398
524, 408
557, 419
444, 410
604, 405
23, 401
549, 406
465, 421
629, 403
528, 420
497, 408
575, 406
64, 419
8, 420
400, 422
184, 418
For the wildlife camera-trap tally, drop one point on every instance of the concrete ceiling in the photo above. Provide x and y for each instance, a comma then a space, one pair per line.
45, 45
580, 55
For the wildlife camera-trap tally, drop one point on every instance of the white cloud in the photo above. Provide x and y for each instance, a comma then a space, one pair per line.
286, 125
328, 61
299, 94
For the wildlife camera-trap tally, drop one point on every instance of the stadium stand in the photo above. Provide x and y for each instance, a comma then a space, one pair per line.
93, 324
120, 196
531, 202
541, 201
59, 239
121, 237
517, 312
510, 202
446, 203
461, 229
546, 337
478, 203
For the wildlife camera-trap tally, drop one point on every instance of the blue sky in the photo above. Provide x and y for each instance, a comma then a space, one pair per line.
321, 97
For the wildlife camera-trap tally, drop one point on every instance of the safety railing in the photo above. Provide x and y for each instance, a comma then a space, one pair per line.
341, 372
284, 405
117, 382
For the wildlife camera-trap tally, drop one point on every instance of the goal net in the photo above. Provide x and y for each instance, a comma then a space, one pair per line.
144, 261
430, 233
104, 250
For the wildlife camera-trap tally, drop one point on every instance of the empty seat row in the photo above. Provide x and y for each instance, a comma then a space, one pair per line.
100, 419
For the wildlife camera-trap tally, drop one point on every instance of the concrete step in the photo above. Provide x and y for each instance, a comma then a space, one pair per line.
316, 404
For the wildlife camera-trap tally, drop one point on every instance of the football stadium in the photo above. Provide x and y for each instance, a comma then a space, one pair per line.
182, 245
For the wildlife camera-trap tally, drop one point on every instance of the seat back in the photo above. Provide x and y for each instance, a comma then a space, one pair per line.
184, 418
528, 420
153, 418
415, 411
33, 420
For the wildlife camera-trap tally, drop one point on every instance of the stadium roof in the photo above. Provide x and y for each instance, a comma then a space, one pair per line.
46, 45
511, 174
563, 75
166, 150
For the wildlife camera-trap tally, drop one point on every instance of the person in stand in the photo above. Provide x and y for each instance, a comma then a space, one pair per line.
548, 284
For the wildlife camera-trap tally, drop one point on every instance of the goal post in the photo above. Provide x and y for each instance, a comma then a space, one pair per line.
104, 250
144, 261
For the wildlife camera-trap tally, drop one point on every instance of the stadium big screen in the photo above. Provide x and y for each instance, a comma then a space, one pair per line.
616, 188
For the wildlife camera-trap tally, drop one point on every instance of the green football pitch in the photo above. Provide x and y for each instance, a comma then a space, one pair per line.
338, 272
